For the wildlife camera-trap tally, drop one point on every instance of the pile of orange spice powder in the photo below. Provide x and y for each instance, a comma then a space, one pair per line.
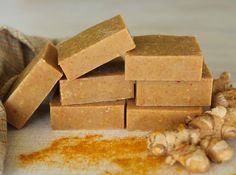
128, 154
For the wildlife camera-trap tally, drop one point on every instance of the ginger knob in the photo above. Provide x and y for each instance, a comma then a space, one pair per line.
217, 149
229, 126
226, 98
193, 158
222, 83
197, 162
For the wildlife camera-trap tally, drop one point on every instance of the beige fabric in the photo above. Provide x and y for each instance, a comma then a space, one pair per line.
16, 51
3, 136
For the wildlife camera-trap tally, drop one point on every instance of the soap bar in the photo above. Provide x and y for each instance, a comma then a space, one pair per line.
94, 47
32, 86
103, 115
105, 83
175, 93
164, 58
157, 118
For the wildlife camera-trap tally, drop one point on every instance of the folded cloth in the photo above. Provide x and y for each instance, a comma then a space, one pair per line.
3, 136
16, 51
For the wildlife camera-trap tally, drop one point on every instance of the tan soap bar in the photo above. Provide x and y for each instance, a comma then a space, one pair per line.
175, 93
164, 58
104, 115
157, 118
105, 83
32, 86
94, 47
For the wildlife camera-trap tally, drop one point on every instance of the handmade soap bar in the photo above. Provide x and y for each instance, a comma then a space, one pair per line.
104, 115
94, 47
105, 83
168, 58
32, 86
175, 93
157, 118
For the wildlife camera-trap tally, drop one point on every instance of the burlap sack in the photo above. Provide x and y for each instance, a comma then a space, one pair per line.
16, 51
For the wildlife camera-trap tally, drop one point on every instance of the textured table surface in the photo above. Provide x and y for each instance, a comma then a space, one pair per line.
213, 22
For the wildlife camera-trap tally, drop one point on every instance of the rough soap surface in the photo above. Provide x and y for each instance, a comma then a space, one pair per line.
175, 93
105, 83
94, 47
164, 58
104, 115
157, 118
32, 86
164, 45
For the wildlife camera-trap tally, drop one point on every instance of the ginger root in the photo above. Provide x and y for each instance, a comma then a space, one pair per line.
161, 143
219, 122
180, 146
229, 126
225, 98
223, 92
222, 83
192, 157
200, 138
210, 123
218, 150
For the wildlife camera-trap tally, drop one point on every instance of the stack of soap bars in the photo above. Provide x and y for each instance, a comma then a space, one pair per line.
111, 80
172, 81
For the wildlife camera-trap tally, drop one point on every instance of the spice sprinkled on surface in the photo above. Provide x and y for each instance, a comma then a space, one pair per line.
119, 155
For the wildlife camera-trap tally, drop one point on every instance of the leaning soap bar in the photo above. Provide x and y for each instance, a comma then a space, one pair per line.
164, 58
104, 115
175, 93
105, 83
94, 47
32, 86
157, 118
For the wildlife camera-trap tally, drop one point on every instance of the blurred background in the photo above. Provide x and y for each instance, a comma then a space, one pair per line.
213, 22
